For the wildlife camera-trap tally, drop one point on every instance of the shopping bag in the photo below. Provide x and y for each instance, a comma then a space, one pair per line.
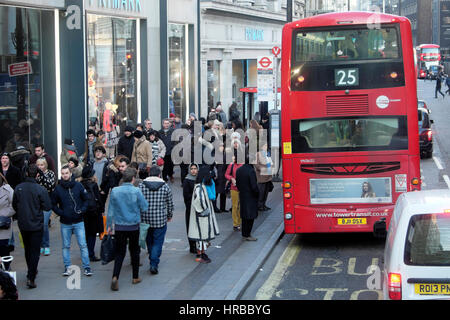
108, 249
7, 259
102, 235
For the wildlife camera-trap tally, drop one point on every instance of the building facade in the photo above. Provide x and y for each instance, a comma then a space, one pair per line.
233, 35
74, 64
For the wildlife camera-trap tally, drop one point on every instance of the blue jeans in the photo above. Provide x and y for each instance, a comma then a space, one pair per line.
46, 237
155, 241
66, 233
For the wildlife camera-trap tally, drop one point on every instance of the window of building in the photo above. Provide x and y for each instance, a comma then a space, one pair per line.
213, 82
20, 78
112, 72
178, 87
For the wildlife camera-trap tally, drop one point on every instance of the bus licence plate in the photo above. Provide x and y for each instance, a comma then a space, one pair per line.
352, 221
432, 288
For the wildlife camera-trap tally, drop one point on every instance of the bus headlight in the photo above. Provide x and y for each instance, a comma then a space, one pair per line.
288, 216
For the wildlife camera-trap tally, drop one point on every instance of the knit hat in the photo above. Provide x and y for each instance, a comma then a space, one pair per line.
193, 115
129, 129
68, 141
88, 171
138, 134
74, 160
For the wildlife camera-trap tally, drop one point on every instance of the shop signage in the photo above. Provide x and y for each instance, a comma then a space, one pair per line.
252, 34
125, 5
265, 81
20, 69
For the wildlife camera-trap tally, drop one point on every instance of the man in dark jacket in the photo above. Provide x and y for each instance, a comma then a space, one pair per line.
11, 173
126, 143
29, 200
39, 152
165, 134
248, 196
160, 211
70, 203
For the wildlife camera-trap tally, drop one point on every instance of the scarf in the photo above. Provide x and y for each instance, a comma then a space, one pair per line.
190, 176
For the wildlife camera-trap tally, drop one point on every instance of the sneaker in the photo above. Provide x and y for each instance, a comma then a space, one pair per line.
237, 228
153, 270
204, 258
42, 250
88, 272
46, 251
66, 272
249, 238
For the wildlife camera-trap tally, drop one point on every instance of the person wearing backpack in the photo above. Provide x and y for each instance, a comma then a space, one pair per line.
93, 217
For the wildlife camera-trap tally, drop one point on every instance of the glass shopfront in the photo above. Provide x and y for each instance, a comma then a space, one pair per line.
112, 72
178, 102
213, 82
20, 78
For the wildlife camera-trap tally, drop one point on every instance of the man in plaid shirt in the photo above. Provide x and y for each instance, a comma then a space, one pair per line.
160, 210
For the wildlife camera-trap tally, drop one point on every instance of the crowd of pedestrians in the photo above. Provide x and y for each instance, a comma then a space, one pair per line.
126, 192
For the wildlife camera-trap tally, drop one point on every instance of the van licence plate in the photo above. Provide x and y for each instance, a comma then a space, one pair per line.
432, 288
352, 221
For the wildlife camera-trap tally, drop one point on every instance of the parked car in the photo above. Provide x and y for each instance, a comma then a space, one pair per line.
417, 251
423, 104
425, 133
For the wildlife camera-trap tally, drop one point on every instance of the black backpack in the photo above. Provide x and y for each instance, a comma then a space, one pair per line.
92, 202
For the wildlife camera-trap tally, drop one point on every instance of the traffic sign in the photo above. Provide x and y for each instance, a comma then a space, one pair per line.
276, 51
265, 63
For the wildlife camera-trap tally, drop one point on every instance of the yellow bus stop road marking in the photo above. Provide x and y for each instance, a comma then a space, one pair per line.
286, 260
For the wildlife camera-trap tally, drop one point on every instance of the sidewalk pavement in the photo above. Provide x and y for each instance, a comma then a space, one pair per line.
234, 262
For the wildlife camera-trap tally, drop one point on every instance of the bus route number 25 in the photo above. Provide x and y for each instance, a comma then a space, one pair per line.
346, 77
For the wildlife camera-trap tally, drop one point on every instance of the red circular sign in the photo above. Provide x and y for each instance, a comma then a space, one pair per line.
265, 62
276, 51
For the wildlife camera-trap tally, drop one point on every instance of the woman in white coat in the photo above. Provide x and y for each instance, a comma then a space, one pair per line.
203, 225
6, 212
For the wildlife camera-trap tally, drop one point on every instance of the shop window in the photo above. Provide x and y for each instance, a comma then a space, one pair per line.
20, 78
178, 103
213, 83
112, 72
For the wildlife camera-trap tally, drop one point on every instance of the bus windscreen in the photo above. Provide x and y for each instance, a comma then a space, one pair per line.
346, 44
349, 134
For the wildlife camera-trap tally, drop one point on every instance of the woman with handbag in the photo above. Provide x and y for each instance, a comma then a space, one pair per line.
263, 169
6, 212
203, 225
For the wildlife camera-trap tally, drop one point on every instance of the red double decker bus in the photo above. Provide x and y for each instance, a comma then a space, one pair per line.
349, 121
428, 55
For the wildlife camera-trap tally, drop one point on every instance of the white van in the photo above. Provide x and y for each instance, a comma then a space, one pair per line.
417, 252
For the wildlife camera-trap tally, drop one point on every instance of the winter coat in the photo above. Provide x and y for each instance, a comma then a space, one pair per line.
229, 174
125, 146
159, 197
93, 220
126, 203
202, 228
263, 167
13, 176
69, 151
6, 208
248, 191
69, 201
29, 200
48, 181
158, 150
142, 152
166, 138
